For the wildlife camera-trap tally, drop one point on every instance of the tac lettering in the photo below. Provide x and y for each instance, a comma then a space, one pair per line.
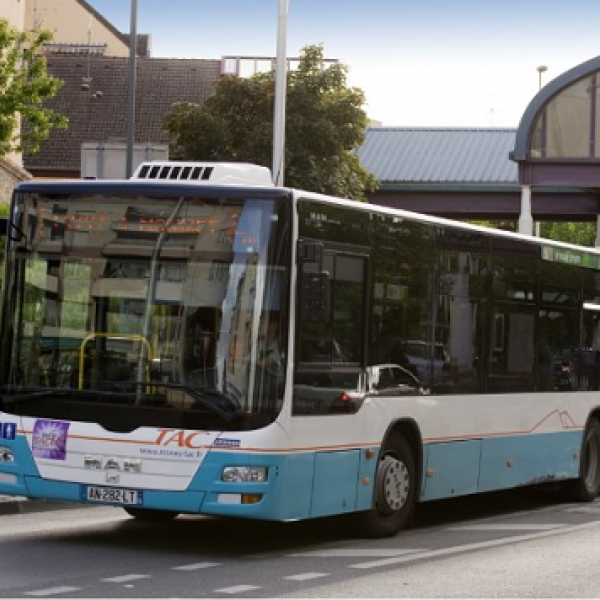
180, 438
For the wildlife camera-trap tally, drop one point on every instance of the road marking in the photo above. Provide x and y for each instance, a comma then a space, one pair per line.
238, 589
196, 566
356, 552
586, 510
469, 547
504, 527
125, 578
306, 576
53, 591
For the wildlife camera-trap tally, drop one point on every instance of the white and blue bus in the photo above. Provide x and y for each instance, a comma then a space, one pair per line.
196, 340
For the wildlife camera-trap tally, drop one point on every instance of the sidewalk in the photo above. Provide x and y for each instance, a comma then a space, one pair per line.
14, 505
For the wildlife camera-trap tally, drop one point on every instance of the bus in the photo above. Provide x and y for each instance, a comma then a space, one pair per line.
196, 340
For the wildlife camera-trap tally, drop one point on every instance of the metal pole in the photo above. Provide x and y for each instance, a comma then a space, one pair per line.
280, 92
131, 95
525, 219
541, 69
538, 226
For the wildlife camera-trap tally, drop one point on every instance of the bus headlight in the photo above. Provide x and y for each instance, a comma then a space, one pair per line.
244, 474
6, 455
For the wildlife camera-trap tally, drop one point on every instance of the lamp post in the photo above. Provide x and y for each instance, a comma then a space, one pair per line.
280, 92
541, 69
131, 94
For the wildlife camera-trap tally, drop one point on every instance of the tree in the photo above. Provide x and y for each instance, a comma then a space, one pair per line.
582, 234
578, 233
24, 85
325, 123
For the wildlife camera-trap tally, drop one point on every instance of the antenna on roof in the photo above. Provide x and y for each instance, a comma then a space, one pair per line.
86, 82
85, 85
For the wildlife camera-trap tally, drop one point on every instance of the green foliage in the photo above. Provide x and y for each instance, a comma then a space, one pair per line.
24, 85
325, 123
580, 234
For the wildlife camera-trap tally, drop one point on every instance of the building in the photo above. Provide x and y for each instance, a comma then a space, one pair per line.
84, 30
94, 96
546, 169
463, 173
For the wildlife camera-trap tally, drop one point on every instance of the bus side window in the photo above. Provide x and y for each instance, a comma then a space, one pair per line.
338, 338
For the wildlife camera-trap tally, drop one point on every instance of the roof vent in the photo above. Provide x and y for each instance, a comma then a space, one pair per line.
237, 173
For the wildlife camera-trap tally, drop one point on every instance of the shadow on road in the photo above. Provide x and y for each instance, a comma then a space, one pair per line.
238, 538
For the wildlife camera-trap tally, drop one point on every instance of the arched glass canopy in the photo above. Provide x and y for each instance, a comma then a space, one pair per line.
558, 139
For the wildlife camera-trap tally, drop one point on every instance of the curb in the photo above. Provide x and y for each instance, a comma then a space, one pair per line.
15, 505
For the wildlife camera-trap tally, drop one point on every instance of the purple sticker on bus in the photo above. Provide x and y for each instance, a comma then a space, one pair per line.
50, 439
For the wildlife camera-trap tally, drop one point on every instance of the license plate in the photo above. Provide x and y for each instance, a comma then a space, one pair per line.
108, 495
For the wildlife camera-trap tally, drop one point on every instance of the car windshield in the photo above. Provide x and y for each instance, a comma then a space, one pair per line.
167, 310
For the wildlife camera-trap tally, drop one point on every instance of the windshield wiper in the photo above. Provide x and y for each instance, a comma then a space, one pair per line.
204, 396
18, 398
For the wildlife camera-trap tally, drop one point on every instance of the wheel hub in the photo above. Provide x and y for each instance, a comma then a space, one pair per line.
394, 484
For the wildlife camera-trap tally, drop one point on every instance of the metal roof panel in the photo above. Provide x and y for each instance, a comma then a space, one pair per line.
439, 155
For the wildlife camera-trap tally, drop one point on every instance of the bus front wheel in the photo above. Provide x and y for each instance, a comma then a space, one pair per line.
395, 486
586, 487
150, 514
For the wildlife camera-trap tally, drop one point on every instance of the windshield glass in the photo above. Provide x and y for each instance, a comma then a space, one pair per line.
171, 308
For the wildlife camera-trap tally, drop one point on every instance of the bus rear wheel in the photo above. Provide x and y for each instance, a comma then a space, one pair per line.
395, 487
587, 486
150, 514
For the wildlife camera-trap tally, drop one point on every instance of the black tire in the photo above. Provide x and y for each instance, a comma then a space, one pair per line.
587, 486
395, 489
150, 514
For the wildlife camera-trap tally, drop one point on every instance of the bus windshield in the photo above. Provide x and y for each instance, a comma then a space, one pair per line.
132, 310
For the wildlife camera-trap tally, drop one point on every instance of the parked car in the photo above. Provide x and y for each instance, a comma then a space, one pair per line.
326, 391
393, 380
430, 360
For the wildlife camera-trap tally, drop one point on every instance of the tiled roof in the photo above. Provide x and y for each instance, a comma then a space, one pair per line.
439, 155
159, 83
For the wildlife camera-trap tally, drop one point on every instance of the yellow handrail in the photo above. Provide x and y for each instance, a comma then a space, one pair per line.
114, 336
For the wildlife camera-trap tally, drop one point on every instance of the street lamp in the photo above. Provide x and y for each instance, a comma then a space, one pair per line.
280, 91
541, 69
131, 94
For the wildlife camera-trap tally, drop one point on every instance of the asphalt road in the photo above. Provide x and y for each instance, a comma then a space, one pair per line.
501, 545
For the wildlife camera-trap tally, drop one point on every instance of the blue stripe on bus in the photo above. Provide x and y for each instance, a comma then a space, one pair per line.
305, 485
460, 468
523, 460
22, 466
187, 502
299, 486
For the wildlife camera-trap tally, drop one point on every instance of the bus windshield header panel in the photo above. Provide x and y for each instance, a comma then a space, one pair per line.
134, 310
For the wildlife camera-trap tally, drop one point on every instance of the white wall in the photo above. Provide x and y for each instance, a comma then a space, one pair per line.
14, 11
70, 22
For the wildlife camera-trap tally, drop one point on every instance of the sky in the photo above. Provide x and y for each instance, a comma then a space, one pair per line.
438, 63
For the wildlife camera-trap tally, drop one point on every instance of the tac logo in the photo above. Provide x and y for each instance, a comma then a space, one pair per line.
8, 431
181, 438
